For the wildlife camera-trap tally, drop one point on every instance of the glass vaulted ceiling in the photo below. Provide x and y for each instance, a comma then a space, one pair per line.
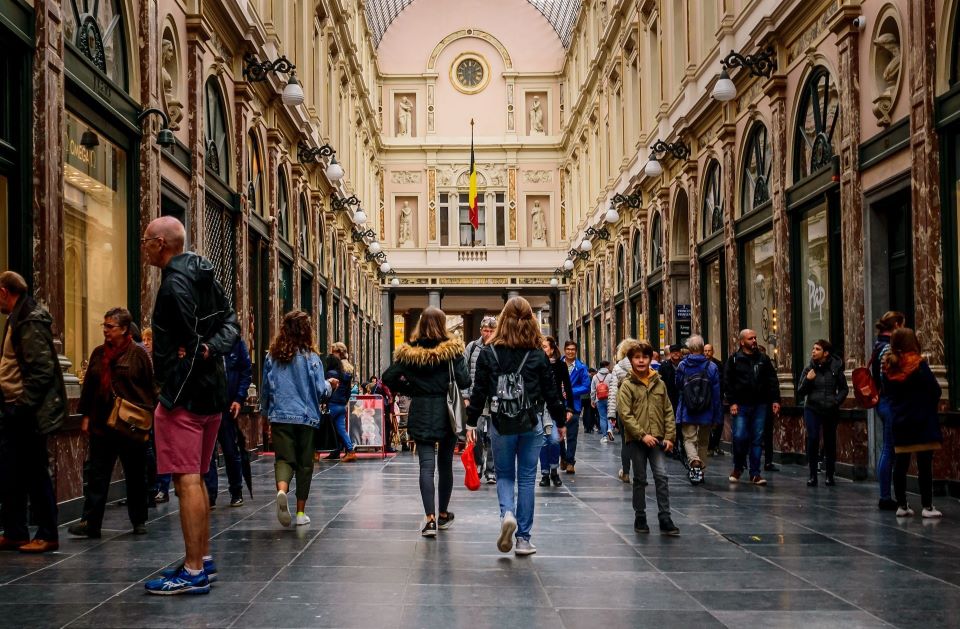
562, 15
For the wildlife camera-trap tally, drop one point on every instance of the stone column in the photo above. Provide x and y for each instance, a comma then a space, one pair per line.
782, 353
386, 328
667, 303
728, 135
562, 316
851, 188
643, 321
925, 180
198, 32
434, 299
149, 181
693, 212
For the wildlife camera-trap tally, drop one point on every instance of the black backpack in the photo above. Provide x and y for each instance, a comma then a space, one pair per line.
510, 408
697, 390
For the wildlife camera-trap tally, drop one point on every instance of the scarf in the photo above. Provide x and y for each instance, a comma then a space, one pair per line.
111, 353
908, 363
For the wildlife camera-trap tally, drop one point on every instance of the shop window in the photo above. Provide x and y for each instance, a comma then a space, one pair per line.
445, 219
637, 258
221, 246
217, 157
656, 242
714, 289
283, 206
712, 208
256, 200
303, 237
755, 181
818, 116
97, 31
621, 270
286, 287
814, 277
95, 211
757, 282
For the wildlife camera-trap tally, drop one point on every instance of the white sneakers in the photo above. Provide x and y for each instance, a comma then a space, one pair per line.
508, 526
904, 512
932, 512
283, 509
303, 519
524, 547
623, 476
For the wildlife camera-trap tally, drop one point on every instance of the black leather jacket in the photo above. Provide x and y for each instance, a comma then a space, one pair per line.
191, 312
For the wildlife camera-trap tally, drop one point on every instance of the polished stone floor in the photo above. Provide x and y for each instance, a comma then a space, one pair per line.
780, 556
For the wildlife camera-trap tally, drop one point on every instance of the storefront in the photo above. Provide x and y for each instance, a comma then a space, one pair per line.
712, 262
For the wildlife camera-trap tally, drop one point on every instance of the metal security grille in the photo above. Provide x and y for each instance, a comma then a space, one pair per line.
221, 246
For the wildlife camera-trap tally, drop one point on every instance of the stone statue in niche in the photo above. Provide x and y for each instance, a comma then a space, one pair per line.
172, 106
405, 117
536, 117
538, 225
405, 237
888, 78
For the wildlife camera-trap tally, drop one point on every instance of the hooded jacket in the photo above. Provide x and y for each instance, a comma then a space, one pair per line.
645, 409
192, 311
472, 354
912, 404
695, 363
828, 390
602, 376
44, 396
539, 381
750, 379
620, 372
421, 371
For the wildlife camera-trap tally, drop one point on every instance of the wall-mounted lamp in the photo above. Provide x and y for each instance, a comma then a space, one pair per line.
677, 149
375, 257
256, 71
342, 203
602, 234
360, 235
761, 64
307, 154
164, 135
632, 201
375, 247
395, 281
577, 254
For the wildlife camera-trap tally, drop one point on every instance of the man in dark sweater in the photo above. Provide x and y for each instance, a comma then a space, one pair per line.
668, 371
750, 386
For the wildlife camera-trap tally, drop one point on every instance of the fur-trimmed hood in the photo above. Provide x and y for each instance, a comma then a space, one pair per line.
426, 353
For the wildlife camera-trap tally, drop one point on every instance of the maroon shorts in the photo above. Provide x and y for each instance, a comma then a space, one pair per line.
184, 440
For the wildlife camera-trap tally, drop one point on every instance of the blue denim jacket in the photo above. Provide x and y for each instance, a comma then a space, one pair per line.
292, 392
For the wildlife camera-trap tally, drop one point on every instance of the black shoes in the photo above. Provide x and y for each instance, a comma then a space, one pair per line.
830, 482
161, 497
771, 467
429, 529
812, 481
236, 501
445, 521
555, 477
887, 504
139, 529
640, 524
544, 480
81, 529
667, 527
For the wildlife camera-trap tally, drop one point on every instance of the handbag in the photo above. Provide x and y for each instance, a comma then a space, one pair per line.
471, 478
456, 409
865, 388
130, 420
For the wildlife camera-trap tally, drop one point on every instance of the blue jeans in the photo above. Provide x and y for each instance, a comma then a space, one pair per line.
338, 415
550, 452
887, 457
604, 424
163, 483
748, 437
227, 436
516, 459
568, 447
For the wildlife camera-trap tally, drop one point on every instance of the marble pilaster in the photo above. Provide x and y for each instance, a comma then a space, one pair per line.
782, 354
727, 139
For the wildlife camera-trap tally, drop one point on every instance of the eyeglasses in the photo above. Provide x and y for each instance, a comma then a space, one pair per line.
109, 326
144, 241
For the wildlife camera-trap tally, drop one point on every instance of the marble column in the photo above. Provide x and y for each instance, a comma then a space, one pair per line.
563, 316
925, 180
782, 352
149, 181
728, 135
434, 299
386, 328
851, 187
693, 212
667, 303
198, 33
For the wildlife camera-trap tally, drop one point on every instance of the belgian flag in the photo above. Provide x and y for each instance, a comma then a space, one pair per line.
474, 214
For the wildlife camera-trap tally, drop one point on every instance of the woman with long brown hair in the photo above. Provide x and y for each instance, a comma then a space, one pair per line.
885, 325
550, 452
515, 352
421, 370
910, 402
294, 385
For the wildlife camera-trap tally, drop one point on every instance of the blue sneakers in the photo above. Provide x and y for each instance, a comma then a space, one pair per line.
181, 583
209, 569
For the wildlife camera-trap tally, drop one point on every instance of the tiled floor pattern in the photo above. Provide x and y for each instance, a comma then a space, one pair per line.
781, 556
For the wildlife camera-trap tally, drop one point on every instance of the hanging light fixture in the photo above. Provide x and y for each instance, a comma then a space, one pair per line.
334, 171
255, 71
724, 90
653, 167
612, 216
359, 217
761, 64
89, 139
586, 245
395, 281
385, 267
292, 93
375, 247
568, 265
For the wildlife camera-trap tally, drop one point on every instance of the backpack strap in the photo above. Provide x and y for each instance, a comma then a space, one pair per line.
524, 361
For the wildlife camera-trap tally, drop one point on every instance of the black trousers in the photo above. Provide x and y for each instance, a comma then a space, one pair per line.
827, 423
25, 474
430, 460
105, 449
924, 477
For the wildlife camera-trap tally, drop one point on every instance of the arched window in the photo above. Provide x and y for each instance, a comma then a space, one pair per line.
334, 264
283, 209
637, 261
621, 269
755, 181
304, 236
712, 208
217, 157
598, 286
321, 263
98, 32
587, 295
255, 195
656, 242
817, 120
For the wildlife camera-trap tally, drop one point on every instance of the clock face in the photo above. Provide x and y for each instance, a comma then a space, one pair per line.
470, 73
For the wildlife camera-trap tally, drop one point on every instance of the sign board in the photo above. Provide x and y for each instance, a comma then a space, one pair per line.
365, 421
682, 318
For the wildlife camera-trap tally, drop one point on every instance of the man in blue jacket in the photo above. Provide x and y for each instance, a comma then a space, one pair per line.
580, 382
699, 405
239, 373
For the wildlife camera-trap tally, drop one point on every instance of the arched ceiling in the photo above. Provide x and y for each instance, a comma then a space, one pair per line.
562, 15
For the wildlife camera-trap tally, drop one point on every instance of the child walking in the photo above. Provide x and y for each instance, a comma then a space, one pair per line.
649, 432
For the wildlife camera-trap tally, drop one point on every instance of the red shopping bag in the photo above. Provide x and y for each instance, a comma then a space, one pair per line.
471, 479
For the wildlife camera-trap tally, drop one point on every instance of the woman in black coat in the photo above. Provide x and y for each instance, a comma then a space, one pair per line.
421, 370
550, 452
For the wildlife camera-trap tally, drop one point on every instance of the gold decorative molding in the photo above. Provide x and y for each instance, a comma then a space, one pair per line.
456, 80
512, 201
432, 203
469, 32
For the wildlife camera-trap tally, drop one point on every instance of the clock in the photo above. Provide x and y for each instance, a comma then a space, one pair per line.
470, 73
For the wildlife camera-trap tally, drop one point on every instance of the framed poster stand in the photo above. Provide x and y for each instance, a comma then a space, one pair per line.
365, 422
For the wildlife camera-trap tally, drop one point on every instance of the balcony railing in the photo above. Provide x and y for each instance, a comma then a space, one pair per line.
472, 254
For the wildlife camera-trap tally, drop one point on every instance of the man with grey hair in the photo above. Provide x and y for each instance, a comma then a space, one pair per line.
482, 451
194, 327
700, 407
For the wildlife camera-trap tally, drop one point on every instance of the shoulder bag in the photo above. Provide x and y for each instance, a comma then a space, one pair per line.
130, 420
456, 409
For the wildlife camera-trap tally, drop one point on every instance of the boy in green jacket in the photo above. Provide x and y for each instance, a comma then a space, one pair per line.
648, 422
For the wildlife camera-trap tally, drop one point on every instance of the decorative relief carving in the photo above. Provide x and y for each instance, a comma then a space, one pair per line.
809, 36
447, 175
538, 176
512, 199
469, 32
563, 208
510, 119
886, 56
381, 219
496, 174
405, 176
430, 108
432, 205
169, 71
